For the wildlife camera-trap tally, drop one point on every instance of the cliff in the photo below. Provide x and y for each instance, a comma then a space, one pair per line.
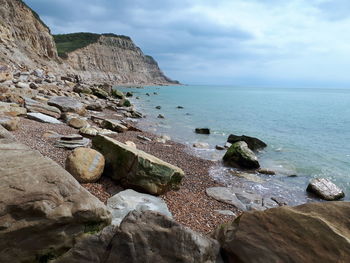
109, 57
24, 38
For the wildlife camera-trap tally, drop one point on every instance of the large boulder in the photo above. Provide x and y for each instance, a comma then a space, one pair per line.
239, 155
145, 237
67, 104
113, 125
128, 200
137, 169
253, 143
36, 106
43, 209
314, 232
85, 164
325, 189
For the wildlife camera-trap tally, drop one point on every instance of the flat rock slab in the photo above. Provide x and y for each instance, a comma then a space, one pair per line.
114, 125
67, 104
72, 144
124, 202
43, 208
36, 106
42, 118
325, 189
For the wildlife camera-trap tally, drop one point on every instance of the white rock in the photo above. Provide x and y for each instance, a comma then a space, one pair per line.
42, 118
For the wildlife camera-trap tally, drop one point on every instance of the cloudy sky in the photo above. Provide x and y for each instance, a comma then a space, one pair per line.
235, 42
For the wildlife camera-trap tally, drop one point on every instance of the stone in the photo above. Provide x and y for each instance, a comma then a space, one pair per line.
179, 107
202, 130
100, 93
5, 73
72, 142
12, 108
67, 104
118, 94
12, 97
113, 125
158, 107
144, 138
43, 209
88, 131
94, 107
36, 106
42, 118
325, 189
33, 86
77, 123
38, 73
9, 123
220, 147
266, 171
131, 144
239, 155
313, 232
22, 85
240, 199
160, 116
79, 88
201, 145
253, 143
85, 164
71, 137
129, 200
145, 237
137, 169
136, 115
128, 94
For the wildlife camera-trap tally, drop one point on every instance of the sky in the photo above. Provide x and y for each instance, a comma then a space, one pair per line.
290, 43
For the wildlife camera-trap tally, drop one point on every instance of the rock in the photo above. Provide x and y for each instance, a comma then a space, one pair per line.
160, 116
12, 109
42, 118
36, 106
43, 208
86, 165
100, 93
239, 198
253, 143
79, 88
147, 94
95, 107
38, 73
70, 142
128, 200
5, 73
136, 168
325, 189
266, 171
12, 97
22, 85
158, 107
144, 138
78, 123
88, 131
314, 232
226, 212
106, 87
9, 123
136, 114
249, 177
33, 86
145, 237
67, 104
202, 130
179, 107
118, 94
113, 125
239, 155
202, 145
126, 103
128, 94
219, 147
131, 144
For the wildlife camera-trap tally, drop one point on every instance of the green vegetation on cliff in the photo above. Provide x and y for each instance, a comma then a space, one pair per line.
67, 43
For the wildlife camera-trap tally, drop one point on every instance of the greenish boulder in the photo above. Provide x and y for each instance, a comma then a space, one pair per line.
136, 169
100, 93
239, 155
118, 94
127, 103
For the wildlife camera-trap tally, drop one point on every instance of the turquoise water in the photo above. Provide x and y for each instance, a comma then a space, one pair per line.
307, 130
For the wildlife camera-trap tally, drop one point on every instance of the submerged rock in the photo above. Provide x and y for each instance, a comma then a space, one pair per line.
252, 142
128, 200
325, 189
137, 169
239, 155
314, 232
202, 130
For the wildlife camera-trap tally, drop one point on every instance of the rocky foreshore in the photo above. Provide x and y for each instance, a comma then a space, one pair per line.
80, 179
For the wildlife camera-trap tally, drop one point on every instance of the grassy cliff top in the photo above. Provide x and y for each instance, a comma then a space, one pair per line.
67, 43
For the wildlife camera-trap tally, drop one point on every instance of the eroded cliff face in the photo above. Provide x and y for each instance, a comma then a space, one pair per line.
24, 39
116, 59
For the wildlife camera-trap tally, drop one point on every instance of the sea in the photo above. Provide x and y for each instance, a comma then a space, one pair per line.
307, 131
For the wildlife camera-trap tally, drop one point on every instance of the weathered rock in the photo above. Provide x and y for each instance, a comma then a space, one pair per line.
160, 116
131, 144
202, 130
136, 168
12, 108
128, 94
253, 143
220, 147
94, 107
158, 107
67, 104
42, 118
22, 85
114, 125
325, 189
9, 123
314, 232
144, 138
118, 94
266, 171
36, 106
128, 200
145, 237
202, 145
100, 93
77, 123
11, 97
82, 89
88, 131
5, 73
72, 142
43, 209
85, 164
239, 155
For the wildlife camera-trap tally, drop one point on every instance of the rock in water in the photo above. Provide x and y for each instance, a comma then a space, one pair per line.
202, 130
67, 104
325, 189
314, 232
124, 202
239, 155
137, 169
85, 164
145, 237
43, 209
253, 143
